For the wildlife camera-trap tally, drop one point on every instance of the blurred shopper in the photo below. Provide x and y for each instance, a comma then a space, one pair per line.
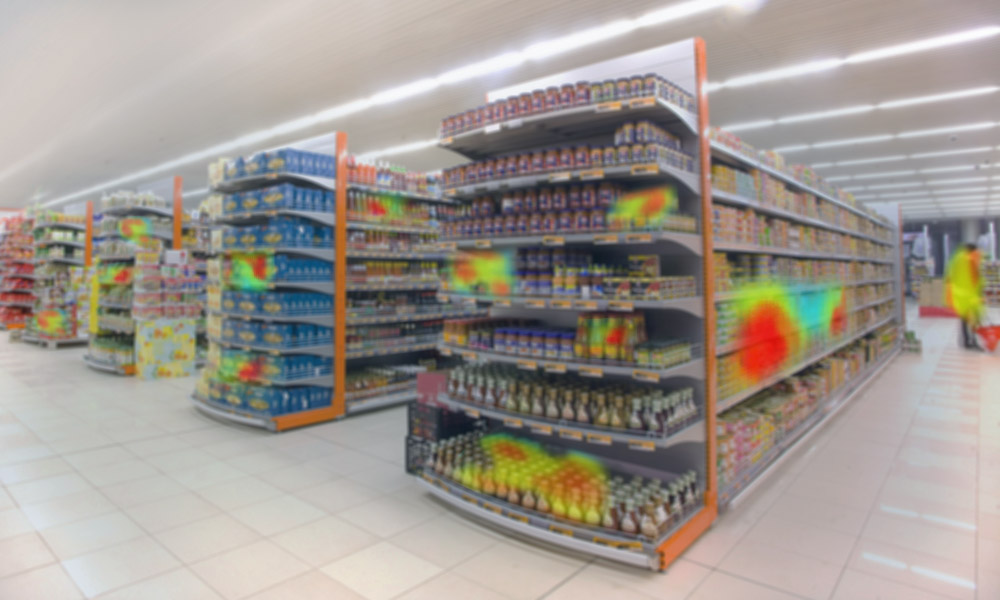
964, 289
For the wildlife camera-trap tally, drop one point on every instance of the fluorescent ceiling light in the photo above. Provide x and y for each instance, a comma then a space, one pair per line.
967, 190
941, 41
903, 194
401, 149
853, 110
851, 141
750, 125
838, 178
882, 174
197, 192
816, 66
892, 186
869, 161
254, 140
949, 169
952, 129
961, 180
826, 114
952, 152
822, 165
792, 148
938, 97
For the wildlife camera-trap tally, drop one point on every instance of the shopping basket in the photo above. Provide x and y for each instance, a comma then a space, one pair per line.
990, 335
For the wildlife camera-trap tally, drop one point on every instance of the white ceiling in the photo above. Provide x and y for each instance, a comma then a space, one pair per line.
93, 91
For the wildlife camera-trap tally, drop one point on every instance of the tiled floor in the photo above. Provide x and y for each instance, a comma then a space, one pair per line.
116, 488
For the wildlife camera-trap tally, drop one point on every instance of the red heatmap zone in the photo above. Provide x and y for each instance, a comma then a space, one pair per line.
764, 336
838, 322
510, 451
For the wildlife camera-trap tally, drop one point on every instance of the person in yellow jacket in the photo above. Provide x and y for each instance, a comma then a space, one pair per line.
964, 291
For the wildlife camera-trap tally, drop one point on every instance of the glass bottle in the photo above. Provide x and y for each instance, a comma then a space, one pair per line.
627, 523
568, 414
552, 404
603, 417
583, 408
617, 413
635, 417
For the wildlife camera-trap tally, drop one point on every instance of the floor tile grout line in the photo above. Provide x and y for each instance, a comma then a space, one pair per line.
567, 579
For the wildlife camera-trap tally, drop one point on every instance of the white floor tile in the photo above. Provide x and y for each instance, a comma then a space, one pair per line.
175, 585
47, 583
364, 571
445, 540
517, 570
160, 515
277, 514
324, 541
387, 516
789, 571
722, 586
67, 509
249, 569
235, 493
141, 491
80, 537
118, 566
23, 552
199, 540
314, 585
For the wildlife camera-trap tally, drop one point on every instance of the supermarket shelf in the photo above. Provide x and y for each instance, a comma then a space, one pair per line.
401, 193
325, 319
691, 431
162, 235
391, 350
24, 261
805, 287
114, 257
51, 343
690, 241
376, 287
733, 491
321, 253
124, 211
725, 404
318, 350
322, 287
694, 368
360, 405
46, 243
410, 317
399, 228
31, 276
15, 290
55, 225
104, 327
634, 173
231, 415
692, 304
563, 533
113, 305
255, 181
18, 304
324, 218
319, 380
757, 249
552, 126
737, 200
397, 254
719, 150
78, 262
100, 365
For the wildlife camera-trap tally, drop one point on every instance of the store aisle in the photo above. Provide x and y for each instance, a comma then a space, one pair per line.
116, 488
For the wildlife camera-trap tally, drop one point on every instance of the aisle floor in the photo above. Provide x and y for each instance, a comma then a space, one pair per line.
117, 488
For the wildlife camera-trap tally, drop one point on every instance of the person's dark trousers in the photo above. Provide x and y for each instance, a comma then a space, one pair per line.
968, 334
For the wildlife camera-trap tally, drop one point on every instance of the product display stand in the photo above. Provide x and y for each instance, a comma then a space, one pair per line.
61, 262
326, 264
575, 282
18, 272
132, 290
786, 236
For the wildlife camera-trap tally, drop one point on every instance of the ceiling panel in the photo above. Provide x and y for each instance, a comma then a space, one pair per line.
96, 90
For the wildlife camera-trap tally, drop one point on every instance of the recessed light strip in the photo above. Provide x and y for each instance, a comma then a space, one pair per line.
888, 136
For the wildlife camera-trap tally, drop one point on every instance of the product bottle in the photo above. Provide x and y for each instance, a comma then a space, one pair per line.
568, 414
583, 408
635, 418
628, 523
618, 413
552, 404
603, 417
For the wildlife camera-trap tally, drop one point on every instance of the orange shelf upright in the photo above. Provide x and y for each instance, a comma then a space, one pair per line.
340, 280
178, 212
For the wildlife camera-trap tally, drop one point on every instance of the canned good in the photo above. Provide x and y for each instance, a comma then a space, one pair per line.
522, 223
549, 221
567, 95
487, 114
524, 102
636, 86
480, 115
581, 220
564, 221
524, 163
622, 88
596, 157
638, 153
610, 156
534, 222
551, 160
597, 92
582, 157
537, 101
544, 199
566, 158
510, 224
558, 198
650, 84
624, 155
512, 107
582, 93
498, 225
588, 196
499, 168
511, 166
573, 197
625, 134
551, 98
537, 161
608, 90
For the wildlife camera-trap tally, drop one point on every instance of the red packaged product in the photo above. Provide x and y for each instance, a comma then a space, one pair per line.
537, 101
524, 104
551, 98
530, 201
582, 157
582, 93
567, 95
566, 158
513, 106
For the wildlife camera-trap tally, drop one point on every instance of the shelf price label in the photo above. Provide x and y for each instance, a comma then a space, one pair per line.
571, 434
639, 238
592, 174
445, 351
599, 439
647, 376
606, 238
642, 445
651, 169
443, 297
527, 365
592, 371
447, 245
493, 128
561, 304
470, 355
520, 518
561, 530
514, 423
621, 306
502, 303
514, 123
470, 499
555, 368
541, 429
493, 507
553, 240
473, 413
562, 176
535, 303
446, 141
608, 106
484, 244
641, 102
586, 305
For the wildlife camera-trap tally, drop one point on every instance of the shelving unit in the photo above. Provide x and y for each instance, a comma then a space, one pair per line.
665, 447
17, 267
372, 236
62, 260
132, 233
762, 201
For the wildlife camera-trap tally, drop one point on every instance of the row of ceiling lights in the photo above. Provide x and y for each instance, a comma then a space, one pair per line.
538, 51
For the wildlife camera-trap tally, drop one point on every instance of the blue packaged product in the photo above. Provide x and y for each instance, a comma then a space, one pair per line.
248, 237
256, 164
276, 197
230, 237
229, 301
250, 201
234, 168
228, 331
232, 204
